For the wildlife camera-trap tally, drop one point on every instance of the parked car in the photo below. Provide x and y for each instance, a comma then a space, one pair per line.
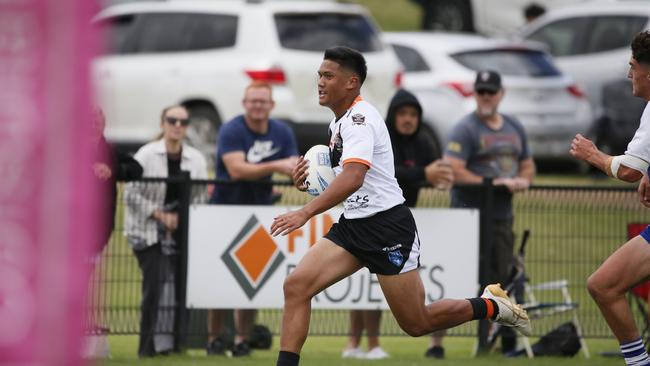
440, 68
591, 41
481, 16
202, 54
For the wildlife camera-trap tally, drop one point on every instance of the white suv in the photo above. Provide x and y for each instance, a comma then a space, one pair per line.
203, 53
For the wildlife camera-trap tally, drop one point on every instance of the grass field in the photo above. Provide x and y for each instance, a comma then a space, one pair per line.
326, 351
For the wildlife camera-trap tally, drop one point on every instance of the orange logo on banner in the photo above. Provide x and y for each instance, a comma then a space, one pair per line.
256, 252
327, 223
252, 257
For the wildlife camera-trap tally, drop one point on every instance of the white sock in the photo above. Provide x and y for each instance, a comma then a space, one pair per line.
635, 353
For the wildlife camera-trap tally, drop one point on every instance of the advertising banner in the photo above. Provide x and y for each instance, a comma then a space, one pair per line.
235, 263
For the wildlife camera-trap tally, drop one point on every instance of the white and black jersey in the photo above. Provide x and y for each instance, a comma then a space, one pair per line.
361, 136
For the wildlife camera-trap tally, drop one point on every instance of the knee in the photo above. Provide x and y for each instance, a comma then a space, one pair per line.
415, 330
598, 288
295, 289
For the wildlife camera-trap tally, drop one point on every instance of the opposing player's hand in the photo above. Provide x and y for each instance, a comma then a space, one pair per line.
582, 148
644, 191
299, 173
286, 223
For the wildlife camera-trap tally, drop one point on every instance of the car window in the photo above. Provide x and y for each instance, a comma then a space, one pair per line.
611, 32
171, 32
564, 37
410, 58
316, 32
117, 30
208, 31
509, 62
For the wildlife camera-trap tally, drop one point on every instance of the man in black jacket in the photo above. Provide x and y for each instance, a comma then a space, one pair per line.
416, 160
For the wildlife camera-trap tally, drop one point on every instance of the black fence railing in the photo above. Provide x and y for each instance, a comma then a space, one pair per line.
573, 229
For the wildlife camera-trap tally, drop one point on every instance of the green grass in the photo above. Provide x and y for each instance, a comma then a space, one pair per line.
326, 351
394, 15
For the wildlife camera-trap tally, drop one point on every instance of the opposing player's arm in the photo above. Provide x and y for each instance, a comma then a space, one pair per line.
461, 173
627, 168
239, 169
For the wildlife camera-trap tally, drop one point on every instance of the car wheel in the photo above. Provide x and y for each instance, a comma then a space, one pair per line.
450, 15
202, 132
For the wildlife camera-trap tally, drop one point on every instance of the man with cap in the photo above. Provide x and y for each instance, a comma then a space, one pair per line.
489, 144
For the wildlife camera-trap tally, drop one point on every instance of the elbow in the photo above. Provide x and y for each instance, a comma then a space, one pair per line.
630, 175
235, 175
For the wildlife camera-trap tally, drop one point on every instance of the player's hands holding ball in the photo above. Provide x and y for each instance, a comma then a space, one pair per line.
299, 174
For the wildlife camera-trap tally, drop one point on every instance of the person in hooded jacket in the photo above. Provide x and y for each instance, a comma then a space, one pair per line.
417, 163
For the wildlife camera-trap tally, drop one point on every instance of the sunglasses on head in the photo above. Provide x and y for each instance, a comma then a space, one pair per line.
485, 91
174, 120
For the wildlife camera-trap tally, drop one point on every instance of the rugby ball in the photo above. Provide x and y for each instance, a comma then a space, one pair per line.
320, 173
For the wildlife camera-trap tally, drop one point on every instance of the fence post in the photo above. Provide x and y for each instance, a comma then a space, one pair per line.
485, 246
180, 328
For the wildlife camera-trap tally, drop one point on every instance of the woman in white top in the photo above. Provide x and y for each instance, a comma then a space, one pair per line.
152, 222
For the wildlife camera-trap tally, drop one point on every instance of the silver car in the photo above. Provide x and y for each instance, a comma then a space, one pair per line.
591, 41
440, 68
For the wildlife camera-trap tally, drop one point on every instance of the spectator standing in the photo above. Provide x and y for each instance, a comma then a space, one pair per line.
151, 226
416, 163
489, 144
251, 148
108, 167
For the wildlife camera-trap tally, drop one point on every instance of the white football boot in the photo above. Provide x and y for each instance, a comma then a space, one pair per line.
510, 314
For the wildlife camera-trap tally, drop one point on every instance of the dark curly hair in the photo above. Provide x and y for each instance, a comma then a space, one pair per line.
641, 47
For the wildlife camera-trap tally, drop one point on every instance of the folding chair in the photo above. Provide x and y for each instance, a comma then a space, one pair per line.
522, 292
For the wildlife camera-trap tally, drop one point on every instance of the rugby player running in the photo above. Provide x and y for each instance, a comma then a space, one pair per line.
376, 229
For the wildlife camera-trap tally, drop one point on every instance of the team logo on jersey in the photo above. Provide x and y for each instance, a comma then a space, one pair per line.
396, 257
252, 257
358, 119
336, 149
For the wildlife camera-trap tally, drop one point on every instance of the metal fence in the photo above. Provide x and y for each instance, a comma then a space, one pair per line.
573, 229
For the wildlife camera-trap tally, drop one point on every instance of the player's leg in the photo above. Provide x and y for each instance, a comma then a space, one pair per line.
324, 264
405, 296
625, 268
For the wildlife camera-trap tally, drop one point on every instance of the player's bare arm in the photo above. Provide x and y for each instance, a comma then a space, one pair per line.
346, 183
584, 149
644, 191
239, 169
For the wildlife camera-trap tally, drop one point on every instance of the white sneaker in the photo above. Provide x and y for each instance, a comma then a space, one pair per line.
510, 314
376, 353
353, 353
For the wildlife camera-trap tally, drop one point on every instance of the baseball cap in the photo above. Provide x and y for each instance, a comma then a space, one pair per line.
487, 80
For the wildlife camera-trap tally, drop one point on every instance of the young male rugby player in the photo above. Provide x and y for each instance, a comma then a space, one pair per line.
376, 230
630, 264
